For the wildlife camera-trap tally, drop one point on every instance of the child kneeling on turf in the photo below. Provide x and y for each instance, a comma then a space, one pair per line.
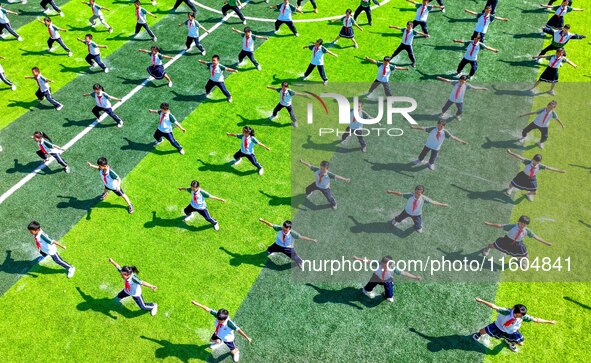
384, 275
224, 330
507, 324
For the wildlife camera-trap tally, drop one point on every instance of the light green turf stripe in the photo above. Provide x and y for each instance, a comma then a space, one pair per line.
22, 56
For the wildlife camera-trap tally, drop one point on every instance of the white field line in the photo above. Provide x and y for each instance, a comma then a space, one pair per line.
88, 128
273, 20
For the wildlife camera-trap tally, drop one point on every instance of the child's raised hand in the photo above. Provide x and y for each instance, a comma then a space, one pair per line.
478, 299
88, 163
249, 340
181, 189
419, 278
154, 288
553, 322
111, 260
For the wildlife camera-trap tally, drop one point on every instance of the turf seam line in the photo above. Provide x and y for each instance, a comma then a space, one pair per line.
88, 128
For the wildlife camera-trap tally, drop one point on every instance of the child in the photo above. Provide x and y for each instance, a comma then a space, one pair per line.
414, 207
365, 5
248, 46
133, 287
94, 53
422, 14
435, 139
557, 20
193, 32
550, 74
5, 23
286, 10
493, 5
313, 2
46, 147
471, 55
156, 70
141, 22
483, 21
559, 38
457, 95
526, 179
408, 34
43, 90
507, 324
322, 181
286, 95
46, 11
385, 69
224, 330
233, 5
284, 242
97, 13
384, 275
248, 141
103, 104
216, 78
165, 127
111, 181
318, 51
189, 4
54, 35
541, 122
355, 125
347, 29
47, 247
199, 205
4, 79
512, 243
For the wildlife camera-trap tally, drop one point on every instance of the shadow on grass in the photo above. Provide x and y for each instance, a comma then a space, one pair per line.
224, 168
79, 70
584, 306
30, 166
349, 296
26, 267
83, 123
146, 147
275, 200
260, 122
301, 199
260, 259
491, 195
174, 223
105, 306
581, 167
380, 227
584, 223
183, 352
456, 342
29, 105
504, 144
400, 168
86, 204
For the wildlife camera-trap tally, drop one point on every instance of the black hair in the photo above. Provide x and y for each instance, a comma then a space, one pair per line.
47, 18
463, 77
324, 163
319, 41
215, 56
387, 59
34, 226
192, 15
41, 134
247, 29
102, 161
348, 11
519, 309
130, 269
89, 35
137, 2
222, 314
35, 69
409, 23
524, 219
164, 106
194, 184
441, 122
566, 26
287, 224
488, 7
155, 47
284, 84
537, 157
386, 259
420, 187
560, 50
248, 130
98, 86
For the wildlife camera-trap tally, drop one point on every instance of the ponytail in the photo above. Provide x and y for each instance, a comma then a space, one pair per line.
249, 130
41, 134
130, 269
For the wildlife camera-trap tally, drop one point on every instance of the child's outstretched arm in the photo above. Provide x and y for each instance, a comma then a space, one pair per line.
555, 170
305, 163
217, 198
495, 225
180, 127
363, 259
371, 60
92, 165
308, 239
489, 304
470, 12
231, 134
205, 308
491, 48
267, 223
153, 111
143, 51
58, 244
541, 240
393, 192
395, 27
516, 156
439, 204
244, 335
411, 276
150, 286
117, 266
338, 177
203, 28
237, 31
455, 138
544, 321
417, 127
443, 79
264, 146
273, 88
183, 189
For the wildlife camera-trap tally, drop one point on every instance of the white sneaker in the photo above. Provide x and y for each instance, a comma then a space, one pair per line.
261, 171
59, 108
325, 82
457, 75
369, 294
276, 32
476, 337
120, 125
541, 145
236, 356
13, 87
207, 95
204, 52
153, 2
170, 84
106, 70
529, 197
297, 34
390, 299
417, 162
394, 223
216, 226
110, 30
420, 230
182, 151
154, 310
521, 140
538, 60
552, 92
259, 68
156, 143
67, 169
243, 23
189, 217
70, 54
155, 39
46, 11
271, 118
62, 14
236, 162
71, 272
20, 39
334, 207
215, 344
431, 166
230, 100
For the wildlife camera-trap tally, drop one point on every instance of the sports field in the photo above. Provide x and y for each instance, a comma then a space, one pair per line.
290, 317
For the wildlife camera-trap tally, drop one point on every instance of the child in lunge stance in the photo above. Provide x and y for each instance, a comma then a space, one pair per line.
193, 27
133, 287
247, 143
167, 120
44, 90
111, 181
317, 60
198, 204
384, 275
4, 79
414, 207
46, 147
322, 177
248, 46
94, 54
47, 247
5, 23
437, 136
216, 78
157, 70
224, 330
284, 242
347, 29
285, 97
286, 10
103, 103
507, 325
54, 35
541, 122
141, 22
97, 13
